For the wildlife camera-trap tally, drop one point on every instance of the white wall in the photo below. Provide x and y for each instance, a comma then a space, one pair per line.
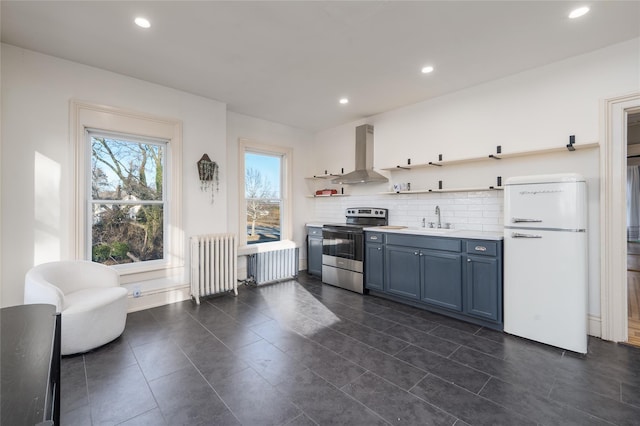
269, 133
37, 166
536, 109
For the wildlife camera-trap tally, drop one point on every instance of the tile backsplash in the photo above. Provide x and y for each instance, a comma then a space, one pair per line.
478, 211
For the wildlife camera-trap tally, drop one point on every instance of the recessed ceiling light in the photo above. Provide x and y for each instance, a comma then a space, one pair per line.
142, 22
344, 101
427, 69
576, 13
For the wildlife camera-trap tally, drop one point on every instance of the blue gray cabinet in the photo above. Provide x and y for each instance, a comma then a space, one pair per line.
314, 250
484, 280
374, 261
453, 276
402, 266
441, 279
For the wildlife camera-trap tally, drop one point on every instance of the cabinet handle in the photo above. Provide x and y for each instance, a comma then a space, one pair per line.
421, 254
379, 248
415, 253
468, 260
480, 248
373, 237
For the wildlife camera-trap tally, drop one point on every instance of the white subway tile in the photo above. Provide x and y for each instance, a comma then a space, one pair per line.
472, 227
481, 194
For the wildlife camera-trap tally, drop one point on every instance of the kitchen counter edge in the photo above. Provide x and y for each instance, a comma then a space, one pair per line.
456, 233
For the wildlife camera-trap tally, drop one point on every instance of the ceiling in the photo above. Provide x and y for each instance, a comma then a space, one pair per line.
290, 62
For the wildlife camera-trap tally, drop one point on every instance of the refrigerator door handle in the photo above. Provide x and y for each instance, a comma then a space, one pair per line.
519, 235
522, 220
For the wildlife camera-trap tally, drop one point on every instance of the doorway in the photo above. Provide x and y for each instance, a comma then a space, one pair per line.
613, 216
633, 229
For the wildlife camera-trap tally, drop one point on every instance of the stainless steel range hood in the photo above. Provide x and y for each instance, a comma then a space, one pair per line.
364, 172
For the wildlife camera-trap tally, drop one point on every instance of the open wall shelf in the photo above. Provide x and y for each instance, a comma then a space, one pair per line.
426, 191
323, 177
491, 157
327, 196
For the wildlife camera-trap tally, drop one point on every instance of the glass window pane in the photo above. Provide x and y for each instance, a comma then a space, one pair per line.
125, 170
126, 233
263, 197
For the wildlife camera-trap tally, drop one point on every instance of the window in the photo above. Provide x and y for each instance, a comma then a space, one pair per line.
265, 216
127, 199
128, 195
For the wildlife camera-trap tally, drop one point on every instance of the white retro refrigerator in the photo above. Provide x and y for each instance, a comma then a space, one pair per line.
545, 259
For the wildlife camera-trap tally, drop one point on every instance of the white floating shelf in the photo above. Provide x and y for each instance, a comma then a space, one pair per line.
426, 191
329, 176
493, 157
327, 196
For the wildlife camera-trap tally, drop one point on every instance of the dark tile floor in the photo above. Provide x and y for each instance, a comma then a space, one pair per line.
304, 353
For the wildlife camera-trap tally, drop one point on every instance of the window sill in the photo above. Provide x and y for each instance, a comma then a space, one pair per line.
264, 247
134, 272
141, 267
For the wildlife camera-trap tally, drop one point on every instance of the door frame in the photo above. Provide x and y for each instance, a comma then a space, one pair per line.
613, 220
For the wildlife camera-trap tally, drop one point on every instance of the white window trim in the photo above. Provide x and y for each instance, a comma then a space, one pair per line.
286, 230
85, 116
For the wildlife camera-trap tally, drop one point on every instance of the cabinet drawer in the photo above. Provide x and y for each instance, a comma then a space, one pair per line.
433, 243
315, 231
374, 237
484, 248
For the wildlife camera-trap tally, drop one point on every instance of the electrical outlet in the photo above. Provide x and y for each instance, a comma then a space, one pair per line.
137, 292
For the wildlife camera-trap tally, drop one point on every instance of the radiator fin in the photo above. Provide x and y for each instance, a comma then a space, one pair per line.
272, 266
214, 266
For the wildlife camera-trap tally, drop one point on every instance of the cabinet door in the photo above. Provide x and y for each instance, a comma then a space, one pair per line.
314, 256
483, 280
374, 266
402, 266
442, 279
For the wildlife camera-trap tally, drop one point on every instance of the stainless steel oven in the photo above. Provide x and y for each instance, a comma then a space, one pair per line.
343, 247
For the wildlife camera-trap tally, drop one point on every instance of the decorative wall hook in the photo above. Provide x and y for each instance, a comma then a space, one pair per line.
208, 174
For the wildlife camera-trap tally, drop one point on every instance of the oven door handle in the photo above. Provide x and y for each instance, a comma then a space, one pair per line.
340, 231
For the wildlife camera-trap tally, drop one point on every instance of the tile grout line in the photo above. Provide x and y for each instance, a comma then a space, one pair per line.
86, 381
210, 385
146, 381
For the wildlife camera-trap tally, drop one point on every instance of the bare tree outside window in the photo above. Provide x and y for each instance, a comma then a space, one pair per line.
127, 200
262, 195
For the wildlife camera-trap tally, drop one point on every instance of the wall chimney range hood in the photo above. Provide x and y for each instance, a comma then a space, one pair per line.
364, 172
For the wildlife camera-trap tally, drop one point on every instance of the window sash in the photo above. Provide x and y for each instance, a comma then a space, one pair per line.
91, 202
285, 155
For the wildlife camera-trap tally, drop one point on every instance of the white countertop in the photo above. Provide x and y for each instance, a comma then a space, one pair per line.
315, 224
447, 233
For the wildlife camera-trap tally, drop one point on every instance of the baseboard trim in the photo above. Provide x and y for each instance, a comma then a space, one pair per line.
594, 326
153, 299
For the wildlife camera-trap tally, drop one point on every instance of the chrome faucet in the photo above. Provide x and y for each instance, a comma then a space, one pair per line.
438, 213
423, 222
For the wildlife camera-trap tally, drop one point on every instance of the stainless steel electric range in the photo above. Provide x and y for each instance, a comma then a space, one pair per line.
343, 247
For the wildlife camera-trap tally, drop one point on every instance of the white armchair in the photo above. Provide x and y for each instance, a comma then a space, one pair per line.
89, 297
